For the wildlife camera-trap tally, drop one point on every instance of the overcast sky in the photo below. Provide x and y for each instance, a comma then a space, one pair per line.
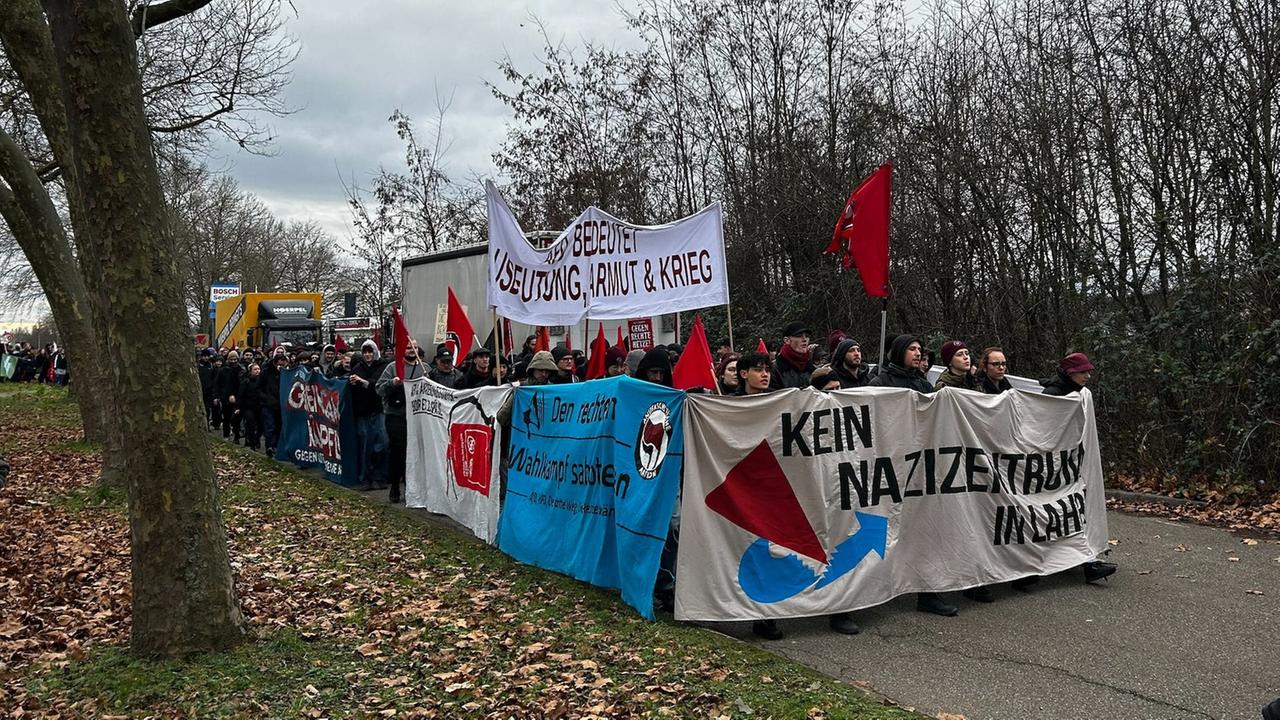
361, 60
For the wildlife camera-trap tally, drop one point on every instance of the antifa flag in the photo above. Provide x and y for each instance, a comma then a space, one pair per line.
862, 232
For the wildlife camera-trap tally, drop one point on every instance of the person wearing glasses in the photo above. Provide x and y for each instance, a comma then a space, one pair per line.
994, 366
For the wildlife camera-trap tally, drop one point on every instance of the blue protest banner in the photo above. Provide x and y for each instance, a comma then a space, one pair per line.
594, 470
317, 428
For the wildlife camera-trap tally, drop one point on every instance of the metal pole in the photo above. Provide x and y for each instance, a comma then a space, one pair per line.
884, 321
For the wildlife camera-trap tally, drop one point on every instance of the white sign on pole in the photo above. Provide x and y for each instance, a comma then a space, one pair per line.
605, 269
222, 291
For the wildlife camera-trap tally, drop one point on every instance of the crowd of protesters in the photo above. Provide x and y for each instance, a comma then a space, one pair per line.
241, 391
28, 364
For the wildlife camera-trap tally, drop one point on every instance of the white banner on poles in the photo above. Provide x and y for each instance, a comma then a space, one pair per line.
800, 503
605, 269
454, 445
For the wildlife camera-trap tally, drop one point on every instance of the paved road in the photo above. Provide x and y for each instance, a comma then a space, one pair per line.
1175, 634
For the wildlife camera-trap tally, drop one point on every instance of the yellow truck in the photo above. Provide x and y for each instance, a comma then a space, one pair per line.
263, 320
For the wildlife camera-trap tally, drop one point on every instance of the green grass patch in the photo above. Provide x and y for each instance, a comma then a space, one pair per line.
366, 610
48, 405
92, 497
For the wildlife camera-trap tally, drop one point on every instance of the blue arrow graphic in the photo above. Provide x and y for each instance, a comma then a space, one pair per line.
768, 579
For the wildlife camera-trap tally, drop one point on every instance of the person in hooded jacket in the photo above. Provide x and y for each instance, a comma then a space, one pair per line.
956, 367
902, 366
391, 388
846, 363
328, 358
902, 370
542, 368
226, 386
207, 374
367, 407
633, 361
615, 362
270, 392
250, 405
655, 367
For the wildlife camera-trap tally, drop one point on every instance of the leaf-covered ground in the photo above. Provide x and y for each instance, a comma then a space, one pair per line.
357, 611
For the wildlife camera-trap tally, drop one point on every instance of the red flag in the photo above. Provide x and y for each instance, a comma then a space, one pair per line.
458, 329
621, 340
695, 368
402, 338
863, 232
568, 340
543, 339
761, 347
595, 364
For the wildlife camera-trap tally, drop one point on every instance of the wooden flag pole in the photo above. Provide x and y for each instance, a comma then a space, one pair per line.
498, 346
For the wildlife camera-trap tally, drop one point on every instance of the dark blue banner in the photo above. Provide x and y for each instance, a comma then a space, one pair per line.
317, 428
593, 475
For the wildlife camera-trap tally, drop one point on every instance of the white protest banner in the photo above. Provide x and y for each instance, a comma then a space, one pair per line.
605, 269
451, 463
800, 503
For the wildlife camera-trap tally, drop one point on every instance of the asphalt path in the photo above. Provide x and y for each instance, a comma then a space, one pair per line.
1188, 628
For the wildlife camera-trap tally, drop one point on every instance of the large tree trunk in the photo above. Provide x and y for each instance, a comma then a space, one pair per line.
183, 594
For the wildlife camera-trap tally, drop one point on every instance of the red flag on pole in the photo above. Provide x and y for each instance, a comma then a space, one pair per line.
458, 330
695, 368
595, 364
863, 232
339, 344
621, 341
542, 341
402, 338
761, 347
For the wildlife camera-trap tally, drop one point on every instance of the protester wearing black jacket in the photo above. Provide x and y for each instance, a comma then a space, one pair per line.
655, 367
226, 385
270, 393
207, 375
847, 363
250, 405
992, 370
367, 407
901, 369
794, 365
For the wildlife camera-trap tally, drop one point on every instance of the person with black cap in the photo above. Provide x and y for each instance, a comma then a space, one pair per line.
480, 372
442, 369
565, 364
794, 365
956, 364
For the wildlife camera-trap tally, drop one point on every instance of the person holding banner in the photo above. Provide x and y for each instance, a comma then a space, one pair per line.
902, 366
956, 364
655, 367
442, 370
391, 388
902, 370
541, 369
847, 363
566, 367
478, 374
993, 367
615, 362
727, 374
367, 406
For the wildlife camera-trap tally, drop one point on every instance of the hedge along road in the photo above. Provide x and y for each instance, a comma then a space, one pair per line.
1183, 630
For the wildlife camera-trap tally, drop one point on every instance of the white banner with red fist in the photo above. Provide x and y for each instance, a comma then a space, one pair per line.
605, 269
801, 503
454, 446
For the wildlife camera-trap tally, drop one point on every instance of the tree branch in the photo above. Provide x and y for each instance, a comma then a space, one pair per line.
192, 122
147, 16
